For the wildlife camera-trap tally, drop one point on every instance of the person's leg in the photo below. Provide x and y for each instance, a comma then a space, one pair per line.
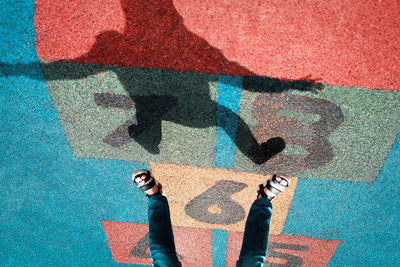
161, 238
255, 238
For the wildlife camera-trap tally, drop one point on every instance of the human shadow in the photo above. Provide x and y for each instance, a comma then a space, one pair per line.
173, 69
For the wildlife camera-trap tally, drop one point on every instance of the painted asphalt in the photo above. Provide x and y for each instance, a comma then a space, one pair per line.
67, 198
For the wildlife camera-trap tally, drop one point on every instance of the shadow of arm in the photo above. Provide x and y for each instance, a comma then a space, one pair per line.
273, 85
58, 70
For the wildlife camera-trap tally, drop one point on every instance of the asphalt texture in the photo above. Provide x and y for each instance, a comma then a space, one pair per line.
213, 97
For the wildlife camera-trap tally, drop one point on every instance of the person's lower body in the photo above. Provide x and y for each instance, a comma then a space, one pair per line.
255, 238
161, 239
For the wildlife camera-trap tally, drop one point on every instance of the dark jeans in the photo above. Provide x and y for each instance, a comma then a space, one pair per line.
255, 239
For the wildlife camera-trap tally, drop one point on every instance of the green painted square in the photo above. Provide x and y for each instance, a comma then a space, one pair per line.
187, 127
359, 144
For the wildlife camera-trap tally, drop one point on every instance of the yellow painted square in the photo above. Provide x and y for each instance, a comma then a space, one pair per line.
184, 183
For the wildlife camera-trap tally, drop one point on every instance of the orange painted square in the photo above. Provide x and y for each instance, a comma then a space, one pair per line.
183, 183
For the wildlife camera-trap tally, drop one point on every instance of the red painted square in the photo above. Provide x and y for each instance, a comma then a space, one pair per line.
341, 43
193, 245
122, 237
287, 250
